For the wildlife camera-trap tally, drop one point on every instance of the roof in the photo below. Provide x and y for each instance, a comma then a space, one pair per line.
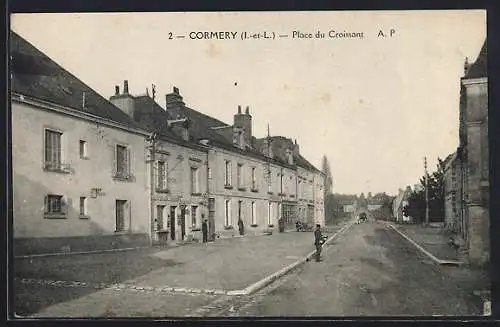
480, 67
201, 125
35, 75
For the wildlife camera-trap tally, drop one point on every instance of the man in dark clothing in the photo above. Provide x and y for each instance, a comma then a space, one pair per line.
204, 230
241, 227
318, 242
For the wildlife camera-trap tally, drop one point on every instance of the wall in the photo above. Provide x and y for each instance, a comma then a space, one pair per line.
179, 161
476, 103
31, 183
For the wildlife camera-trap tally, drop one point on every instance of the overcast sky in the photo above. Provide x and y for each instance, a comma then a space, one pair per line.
374, 106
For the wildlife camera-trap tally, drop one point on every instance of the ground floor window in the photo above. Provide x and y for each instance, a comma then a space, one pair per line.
160, 210
194, 212
269, 213
227, 209
121, 215
289, 213
83, 206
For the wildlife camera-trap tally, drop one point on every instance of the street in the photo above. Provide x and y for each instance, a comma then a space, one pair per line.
368, 270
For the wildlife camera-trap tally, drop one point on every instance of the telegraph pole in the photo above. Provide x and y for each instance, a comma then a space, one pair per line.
426, 192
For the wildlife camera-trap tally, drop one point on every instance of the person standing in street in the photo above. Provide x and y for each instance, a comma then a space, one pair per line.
318, 242
204, 230
241, 227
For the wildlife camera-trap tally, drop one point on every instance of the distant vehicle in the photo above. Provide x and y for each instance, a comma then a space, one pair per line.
362, 217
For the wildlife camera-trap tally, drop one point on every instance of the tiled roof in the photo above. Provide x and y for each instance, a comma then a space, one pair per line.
480, 67
36, 75
201, 125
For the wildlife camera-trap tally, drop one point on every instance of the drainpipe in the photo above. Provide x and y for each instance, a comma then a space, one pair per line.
152, 185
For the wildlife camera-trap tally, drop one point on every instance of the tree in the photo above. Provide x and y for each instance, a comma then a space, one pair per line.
416, 200
325, 168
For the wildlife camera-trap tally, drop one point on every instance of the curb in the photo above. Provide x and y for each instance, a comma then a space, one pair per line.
273, 277
427, 253
57, 254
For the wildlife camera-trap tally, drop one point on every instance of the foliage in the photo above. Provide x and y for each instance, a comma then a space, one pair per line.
416, 208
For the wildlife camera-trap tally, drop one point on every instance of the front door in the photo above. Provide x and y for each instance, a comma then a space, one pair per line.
172, 222
183, 222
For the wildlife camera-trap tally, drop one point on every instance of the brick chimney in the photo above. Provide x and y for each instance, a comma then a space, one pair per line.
124, 101
296, 149
175, 103
243, 121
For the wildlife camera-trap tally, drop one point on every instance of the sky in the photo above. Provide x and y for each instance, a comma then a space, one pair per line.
375, 106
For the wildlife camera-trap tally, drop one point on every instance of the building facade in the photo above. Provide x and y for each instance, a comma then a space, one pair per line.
79, 175
473, 155
452, 194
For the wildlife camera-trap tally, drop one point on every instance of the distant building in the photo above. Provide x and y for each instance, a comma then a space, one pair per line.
349, 208
399, 202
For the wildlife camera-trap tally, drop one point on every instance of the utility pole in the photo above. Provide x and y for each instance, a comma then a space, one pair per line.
426, 192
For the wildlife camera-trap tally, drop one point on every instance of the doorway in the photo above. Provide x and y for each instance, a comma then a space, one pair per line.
172, 222
183, 222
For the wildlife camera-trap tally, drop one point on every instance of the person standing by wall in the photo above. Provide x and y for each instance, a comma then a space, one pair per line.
204, 230
318, 242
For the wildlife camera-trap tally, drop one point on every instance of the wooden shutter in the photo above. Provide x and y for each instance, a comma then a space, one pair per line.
128, 158
46, 204
114, 167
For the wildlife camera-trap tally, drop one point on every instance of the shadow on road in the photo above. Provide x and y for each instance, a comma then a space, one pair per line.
105, 268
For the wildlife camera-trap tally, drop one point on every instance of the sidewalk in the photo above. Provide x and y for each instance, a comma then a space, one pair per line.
432, 239
224, 265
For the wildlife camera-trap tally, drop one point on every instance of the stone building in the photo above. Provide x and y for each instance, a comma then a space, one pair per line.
399, 202
473, 154
177, 169
78, 168
255, 181
452, 192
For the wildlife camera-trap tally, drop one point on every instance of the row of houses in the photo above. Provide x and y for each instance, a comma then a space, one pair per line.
467, 169
92, 173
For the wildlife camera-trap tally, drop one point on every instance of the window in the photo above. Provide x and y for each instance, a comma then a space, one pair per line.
194, 180
227, 210
254, 218
162, 176
254, 184
83, 150
159, 216
122, 157
121, 215
194, 211
53, 147
83, 206
240, 203
54, 204
227, 175
239, 170
209, 173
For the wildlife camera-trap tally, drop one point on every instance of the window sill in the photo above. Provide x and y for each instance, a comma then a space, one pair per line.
228, 227
121, 178
56, 170
84, 158
196, 194
84, 217
121, 232
241, 189
254, 190
254, 225
228, 187
54, 215
160, 190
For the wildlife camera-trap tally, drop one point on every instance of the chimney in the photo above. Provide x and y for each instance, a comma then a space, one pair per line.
124, 101
125, 87
466, 66
296, 149
174, 103
244, 121
289, 156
